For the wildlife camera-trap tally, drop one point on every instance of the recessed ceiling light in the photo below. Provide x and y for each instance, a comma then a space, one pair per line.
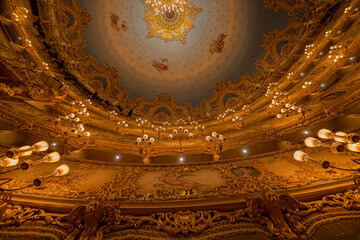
302, 74
181, 159
306, 132
54, 144
351, 59
117, 157
245, 150
323, 85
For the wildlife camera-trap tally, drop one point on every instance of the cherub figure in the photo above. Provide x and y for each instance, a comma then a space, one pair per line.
218, 45
114, 20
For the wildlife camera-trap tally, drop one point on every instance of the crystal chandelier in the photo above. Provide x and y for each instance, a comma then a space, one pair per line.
167, 6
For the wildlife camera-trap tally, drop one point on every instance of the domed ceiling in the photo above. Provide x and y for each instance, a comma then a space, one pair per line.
187, 71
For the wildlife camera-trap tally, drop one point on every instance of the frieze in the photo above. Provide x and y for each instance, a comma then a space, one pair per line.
279, 216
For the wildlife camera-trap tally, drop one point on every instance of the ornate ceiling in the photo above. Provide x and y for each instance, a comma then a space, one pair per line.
153, 167
192, 70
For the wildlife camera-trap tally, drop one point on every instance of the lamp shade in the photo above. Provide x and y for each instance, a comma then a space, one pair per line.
312, 142
340, 137
325, 134
41, 146
53, 157
354, 147
61, 170
300, 156
25, 151
8, 162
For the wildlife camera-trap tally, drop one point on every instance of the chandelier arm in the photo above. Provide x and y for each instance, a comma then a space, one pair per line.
15, 189
356, 161
17, 168
6, 180
345, 169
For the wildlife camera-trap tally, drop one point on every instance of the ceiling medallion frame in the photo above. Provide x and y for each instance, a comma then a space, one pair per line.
171, 25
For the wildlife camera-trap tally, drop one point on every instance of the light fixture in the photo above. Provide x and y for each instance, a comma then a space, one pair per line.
142, 123
341, 141
227, 112
50, 158
59, 171
309, 50
121, 124
288, 109
79, 110
143, 143
337, 52
181, 159
170, 20
180, 133
167, 6
216, 139
27, 150
339, 136
12, 156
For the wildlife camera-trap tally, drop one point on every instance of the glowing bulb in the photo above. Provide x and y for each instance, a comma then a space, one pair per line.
41, 146
301, 156
8, 162
62, 170
52, 157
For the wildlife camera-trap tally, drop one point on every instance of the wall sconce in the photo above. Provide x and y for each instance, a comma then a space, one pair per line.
143, 123
341, 142
27, 150
121, 124
58, 172
289, 109
238, 118
79, 110
143, 143
216, 139
227, 112
180, 134
12, 156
